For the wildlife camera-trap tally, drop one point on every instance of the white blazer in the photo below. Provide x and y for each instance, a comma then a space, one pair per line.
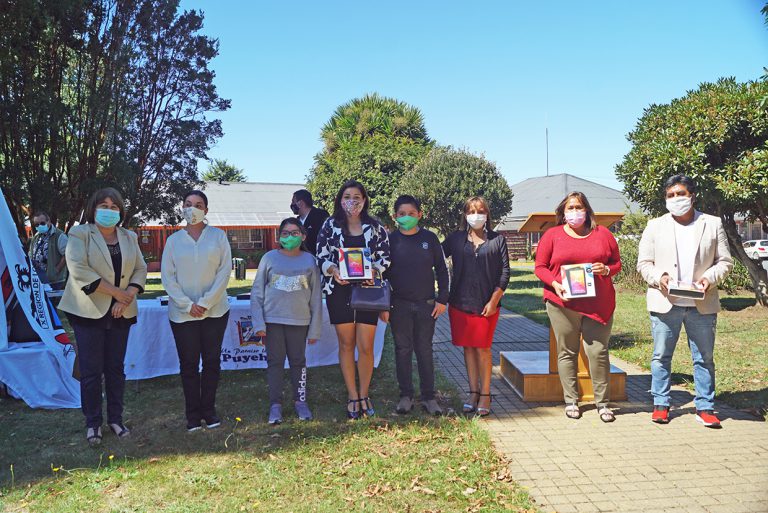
88, 259
657, 256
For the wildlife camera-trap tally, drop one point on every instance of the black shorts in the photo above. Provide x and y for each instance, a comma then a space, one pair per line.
339, 311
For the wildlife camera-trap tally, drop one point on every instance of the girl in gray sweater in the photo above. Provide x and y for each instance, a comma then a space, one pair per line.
286, 309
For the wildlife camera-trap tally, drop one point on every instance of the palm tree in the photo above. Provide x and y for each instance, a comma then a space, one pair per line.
222, 171
372, 115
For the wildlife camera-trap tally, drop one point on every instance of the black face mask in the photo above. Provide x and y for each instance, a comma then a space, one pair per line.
295, 209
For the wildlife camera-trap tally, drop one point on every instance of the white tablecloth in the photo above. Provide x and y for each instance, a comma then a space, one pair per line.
152, 351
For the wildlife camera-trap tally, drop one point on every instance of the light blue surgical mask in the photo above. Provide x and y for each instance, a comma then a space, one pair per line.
42, 228
107, 217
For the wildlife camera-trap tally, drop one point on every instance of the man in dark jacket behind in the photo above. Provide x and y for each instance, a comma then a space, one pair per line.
312, 218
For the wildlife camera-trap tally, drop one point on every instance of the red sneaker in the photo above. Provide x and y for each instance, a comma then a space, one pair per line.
660, 414
708, 418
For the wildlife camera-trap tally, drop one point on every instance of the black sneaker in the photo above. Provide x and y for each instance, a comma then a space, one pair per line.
194, 426
212, 422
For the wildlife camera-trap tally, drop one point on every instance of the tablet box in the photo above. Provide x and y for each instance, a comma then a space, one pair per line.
355, 264
578, 280
685, 290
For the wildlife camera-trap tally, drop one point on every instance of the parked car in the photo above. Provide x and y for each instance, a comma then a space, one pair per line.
756, 249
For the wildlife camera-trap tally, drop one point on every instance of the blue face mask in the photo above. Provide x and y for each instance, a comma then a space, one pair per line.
42, 228
107, 217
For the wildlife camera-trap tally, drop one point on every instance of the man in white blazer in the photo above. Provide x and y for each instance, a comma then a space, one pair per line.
688, 247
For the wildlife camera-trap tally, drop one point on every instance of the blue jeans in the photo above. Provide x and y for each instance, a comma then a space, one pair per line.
700, 328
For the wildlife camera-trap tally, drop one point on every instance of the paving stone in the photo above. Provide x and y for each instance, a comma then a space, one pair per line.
629, 465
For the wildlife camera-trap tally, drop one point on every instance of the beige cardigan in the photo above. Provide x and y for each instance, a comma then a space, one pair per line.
88, 260
657, 256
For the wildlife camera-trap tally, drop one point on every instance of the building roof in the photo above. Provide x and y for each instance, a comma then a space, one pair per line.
247, 203
543, 193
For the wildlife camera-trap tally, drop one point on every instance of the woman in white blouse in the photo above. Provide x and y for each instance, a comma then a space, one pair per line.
195, 270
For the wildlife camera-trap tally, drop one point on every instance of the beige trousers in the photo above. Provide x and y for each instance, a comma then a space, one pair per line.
569, 328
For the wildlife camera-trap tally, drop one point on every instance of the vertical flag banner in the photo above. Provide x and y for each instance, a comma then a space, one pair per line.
37, 367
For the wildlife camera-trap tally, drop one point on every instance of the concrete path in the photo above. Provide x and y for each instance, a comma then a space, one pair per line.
630, 465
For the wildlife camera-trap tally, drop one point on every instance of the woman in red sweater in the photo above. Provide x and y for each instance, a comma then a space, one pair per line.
578, 239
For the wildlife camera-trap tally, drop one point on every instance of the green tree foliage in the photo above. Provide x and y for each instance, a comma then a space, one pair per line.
374, 140
446, 178
97, 92
371, 116
628, 238
718, 135
222, 171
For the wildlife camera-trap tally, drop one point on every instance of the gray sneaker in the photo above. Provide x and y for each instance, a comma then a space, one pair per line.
405, 405
275, 414
302, 410
432, 407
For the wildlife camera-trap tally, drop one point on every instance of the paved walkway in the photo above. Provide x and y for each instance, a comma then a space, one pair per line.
629, 465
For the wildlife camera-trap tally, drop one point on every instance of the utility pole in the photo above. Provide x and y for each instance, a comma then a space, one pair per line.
546, 138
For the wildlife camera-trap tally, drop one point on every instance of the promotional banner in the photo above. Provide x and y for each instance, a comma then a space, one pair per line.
38, 366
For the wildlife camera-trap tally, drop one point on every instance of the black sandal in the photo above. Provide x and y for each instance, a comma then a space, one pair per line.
469, 407
93, 435
484, 412
368, 411
120, 430
353, 414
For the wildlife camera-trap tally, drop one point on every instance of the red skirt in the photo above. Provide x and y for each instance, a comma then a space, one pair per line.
472, 330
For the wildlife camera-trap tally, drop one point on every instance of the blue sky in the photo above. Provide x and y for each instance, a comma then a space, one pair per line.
488, 76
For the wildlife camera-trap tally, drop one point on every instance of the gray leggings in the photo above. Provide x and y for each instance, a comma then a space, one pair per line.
569, 328
283, 340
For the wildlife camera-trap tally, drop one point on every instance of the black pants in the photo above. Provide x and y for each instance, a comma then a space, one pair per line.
101, 352
285, 340
413, 327
196, 340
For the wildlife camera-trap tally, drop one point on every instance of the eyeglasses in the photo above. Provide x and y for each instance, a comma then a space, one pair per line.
295, 233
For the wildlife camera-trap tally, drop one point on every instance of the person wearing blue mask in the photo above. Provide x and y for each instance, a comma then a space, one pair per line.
47, 251
106, 273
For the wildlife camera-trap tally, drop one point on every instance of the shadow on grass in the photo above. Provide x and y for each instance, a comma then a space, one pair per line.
754, 402
734, 304
623, 340
35, 441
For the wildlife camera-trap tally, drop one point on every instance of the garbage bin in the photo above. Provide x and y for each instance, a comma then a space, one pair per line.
238, 264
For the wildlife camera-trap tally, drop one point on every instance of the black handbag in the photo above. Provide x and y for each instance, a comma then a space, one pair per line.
371, 298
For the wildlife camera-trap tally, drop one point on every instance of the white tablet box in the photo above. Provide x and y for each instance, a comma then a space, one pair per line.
578, 280
355, 264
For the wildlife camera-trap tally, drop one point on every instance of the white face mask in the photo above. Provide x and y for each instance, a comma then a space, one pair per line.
679, 205
476, 221
193, 215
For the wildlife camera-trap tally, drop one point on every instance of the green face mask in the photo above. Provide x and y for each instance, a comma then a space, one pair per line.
407, 222
290, 242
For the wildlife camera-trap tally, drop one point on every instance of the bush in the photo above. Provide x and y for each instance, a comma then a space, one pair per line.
738, 278
629, 277
446, 178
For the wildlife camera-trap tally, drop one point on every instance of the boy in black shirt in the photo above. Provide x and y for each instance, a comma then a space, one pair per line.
417, 258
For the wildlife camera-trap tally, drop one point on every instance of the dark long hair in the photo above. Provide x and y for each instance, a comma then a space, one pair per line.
476, 200
340, 216
294, 221
591, 221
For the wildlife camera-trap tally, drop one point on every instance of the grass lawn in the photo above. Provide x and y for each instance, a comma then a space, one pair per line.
388, 463
741, 346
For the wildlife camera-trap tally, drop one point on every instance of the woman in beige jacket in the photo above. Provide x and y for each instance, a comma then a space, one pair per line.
106, 272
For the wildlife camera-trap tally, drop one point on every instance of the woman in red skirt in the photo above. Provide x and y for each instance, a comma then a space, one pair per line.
480, 277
